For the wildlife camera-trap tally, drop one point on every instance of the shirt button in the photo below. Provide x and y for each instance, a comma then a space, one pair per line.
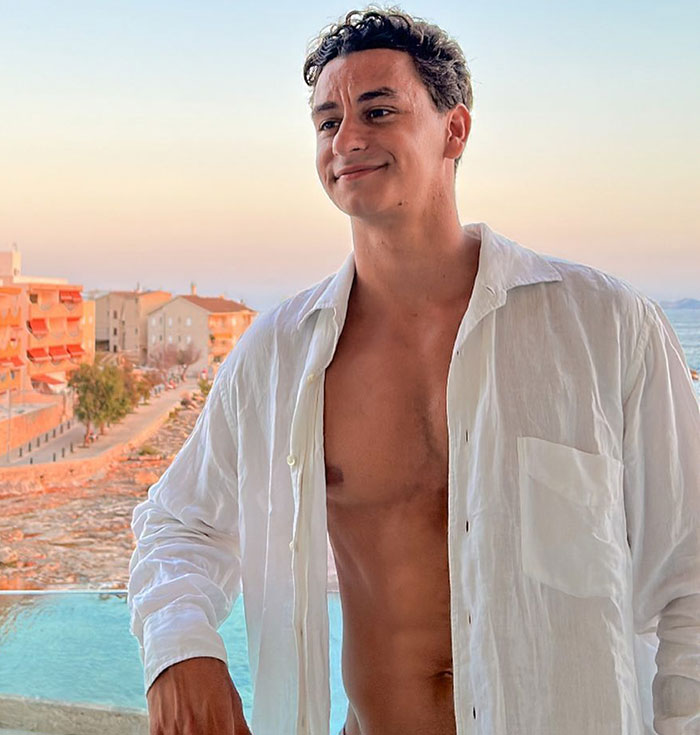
311, 377
292, 545
291, 460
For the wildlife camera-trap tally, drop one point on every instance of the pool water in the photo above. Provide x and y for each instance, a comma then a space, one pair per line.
77, 647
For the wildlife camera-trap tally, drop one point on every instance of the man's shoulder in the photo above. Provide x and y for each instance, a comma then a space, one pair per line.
607, 308
593, 288
276, 329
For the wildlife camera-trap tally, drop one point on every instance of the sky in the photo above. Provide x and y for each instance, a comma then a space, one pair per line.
164, 143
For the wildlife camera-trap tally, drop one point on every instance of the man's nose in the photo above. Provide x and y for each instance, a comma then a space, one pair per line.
350, 136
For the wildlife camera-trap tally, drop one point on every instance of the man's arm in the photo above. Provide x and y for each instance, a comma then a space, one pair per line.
185, 569
662, 502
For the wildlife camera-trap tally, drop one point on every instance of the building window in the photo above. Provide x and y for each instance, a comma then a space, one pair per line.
160, 338
170, 321
170, 338
189, 339
153, 339
188, 321
115, 333
161, 319
179, 338
114, 314
137, 330
153, 322
34, 298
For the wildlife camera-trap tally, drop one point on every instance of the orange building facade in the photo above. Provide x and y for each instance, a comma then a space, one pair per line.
46, 331
12, 339
59, 336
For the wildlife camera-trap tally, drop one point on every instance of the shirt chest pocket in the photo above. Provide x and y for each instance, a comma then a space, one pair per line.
570, 516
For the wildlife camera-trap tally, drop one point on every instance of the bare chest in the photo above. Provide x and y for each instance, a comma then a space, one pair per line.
385, 444
385, 426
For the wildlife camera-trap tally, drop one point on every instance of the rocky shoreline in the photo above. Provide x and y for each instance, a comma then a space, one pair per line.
78, 536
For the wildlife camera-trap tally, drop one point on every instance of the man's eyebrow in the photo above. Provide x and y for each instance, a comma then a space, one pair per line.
372, 94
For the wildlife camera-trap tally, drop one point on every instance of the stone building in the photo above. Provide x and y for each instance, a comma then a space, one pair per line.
205, 328
121, 318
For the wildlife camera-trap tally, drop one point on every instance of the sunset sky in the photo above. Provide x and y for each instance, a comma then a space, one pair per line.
169, 142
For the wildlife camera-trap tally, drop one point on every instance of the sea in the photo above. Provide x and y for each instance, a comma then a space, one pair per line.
686, 325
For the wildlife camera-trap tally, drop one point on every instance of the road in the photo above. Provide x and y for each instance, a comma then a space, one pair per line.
119, 433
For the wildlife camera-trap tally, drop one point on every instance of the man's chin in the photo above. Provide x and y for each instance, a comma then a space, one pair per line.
362, 209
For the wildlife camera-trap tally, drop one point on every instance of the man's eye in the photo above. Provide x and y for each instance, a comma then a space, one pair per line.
379, 109
323, 127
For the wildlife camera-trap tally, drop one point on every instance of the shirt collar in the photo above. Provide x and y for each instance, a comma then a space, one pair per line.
503, 264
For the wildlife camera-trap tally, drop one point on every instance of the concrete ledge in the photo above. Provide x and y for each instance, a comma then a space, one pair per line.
69, 718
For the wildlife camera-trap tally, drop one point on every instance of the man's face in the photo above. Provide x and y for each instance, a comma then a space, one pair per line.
372, 112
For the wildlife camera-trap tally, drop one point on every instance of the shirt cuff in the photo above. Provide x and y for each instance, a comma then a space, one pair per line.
176, 633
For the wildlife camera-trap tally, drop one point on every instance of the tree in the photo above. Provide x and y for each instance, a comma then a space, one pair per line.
113, 395
107, 392
85, 381
204, 386
170, 356
136, 386
144, 390
187, 357
164, 358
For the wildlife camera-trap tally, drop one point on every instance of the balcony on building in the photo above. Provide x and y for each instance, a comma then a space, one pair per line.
38, 354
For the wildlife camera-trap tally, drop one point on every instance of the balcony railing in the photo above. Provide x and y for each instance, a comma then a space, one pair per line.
55, 309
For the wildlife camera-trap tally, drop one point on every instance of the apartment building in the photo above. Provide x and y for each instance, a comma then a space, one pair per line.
12, 339
122, 321
206, 327
47, 329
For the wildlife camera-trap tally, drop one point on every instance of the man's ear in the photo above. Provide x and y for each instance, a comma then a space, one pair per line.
459, 123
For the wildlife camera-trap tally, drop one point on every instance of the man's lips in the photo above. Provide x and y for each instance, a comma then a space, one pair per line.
355, 172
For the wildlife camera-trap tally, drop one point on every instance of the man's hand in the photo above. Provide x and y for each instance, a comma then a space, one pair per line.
195, 697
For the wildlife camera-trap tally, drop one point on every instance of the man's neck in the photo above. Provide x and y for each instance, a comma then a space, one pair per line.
417, 266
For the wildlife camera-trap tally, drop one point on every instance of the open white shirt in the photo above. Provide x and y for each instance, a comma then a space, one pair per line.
574, 501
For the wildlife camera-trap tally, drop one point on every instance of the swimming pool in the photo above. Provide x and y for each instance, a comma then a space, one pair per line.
76, 646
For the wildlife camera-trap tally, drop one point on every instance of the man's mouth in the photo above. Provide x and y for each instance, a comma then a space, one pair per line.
358, 173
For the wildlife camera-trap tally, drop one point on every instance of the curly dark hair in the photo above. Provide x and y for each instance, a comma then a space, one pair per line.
438, 58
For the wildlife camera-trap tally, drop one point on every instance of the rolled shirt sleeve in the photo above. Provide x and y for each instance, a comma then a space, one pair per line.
184, 574
662, 503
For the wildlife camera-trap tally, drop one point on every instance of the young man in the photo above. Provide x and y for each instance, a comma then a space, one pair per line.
502, 448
